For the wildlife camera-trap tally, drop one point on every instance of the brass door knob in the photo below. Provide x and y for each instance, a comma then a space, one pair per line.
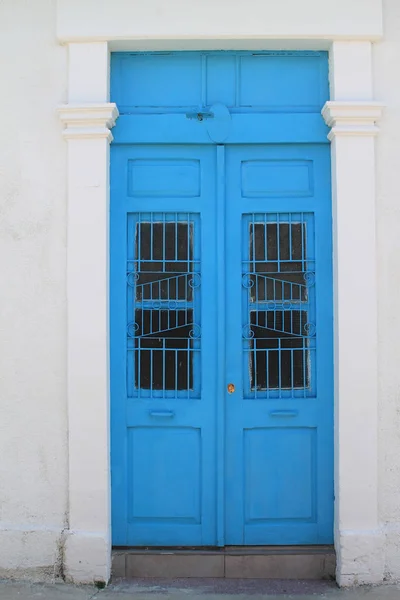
231, 388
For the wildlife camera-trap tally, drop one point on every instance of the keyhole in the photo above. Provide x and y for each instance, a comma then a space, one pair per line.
199, 117
231, 388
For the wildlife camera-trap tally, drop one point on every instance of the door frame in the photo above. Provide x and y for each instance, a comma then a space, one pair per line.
88, 118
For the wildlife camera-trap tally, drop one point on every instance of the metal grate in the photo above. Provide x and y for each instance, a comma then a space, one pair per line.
163, 329
278, 278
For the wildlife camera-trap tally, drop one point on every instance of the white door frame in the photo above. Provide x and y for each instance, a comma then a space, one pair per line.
352, 115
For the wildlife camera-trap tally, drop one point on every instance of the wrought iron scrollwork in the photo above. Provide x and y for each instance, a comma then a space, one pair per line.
194, 280
310, 329
247, 332
248, 280
195, 331
309, 278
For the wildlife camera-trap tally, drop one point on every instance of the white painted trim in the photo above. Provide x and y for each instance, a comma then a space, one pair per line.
88, 121
87, 548
359, 538
352, 118
353, 115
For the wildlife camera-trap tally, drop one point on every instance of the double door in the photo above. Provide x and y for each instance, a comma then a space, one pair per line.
221, 345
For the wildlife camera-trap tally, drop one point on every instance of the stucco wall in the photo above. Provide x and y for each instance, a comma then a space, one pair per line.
387, 89
33, 432
33, 421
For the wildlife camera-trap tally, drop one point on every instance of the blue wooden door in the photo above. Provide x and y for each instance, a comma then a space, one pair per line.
164, 359
279, 345
221, 301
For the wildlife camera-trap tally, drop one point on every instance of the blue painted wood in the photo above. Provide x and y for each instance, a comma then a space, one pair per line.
163, 443
221, 341
198, 465
249, 128
272, 81
279, 471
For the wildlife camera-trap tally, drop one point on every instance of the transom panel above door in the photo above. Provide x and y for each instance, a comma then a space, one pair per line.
221, 301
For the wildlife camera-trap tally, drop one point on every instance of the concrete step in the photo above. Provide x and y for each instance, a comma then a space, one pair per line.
248, 562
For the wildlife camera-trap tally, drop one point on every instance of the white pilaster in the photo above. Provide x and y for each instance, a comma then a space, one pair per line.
358, 536
88, 542
88, 72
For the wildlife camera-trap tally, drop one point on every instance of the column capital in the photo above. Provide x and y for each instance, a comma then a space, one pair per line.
88, 121
352, 118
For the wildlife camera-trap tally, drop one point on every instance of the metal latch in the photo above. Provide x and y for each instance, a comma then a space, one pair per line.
200, 116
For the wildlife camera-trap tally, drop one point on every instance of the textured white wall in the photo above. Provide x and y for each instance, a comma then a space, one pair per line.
33, 433
387, 88
124, 20
33, 423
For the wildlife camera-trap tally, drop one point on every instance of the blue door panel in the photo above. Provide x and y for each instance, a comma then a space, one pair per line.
221, 300
174, 81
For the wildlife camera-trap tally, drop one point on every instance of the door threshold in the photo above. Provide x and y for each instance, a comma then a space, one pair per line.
236, 562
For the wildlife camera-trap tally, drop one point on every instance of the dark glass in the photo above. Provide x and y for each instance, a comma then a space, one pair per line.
163, 349
164, 260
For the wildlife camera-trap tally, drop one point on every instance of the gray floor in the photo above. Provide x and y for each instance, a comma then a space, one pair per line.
182, 589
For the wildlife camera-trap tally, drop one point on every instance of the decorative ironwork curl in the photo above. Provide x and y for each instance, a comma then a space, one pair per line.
195, 332
247, 281
309, 278
247, 332
132, 277
132, 328
310, 329
195, 280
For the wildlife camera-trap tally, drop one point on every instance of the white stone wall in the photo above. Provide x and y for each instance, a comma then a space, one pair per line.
33, 207
33, 431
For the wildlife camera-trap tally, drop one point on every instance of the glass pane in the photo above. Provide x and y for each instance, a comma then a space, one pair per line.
277, 359
163, 285
278, 277
164, 357
165, 254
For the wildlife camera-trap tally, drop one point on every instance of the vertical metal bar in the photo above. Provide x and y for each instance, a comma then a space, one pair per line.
186, 297
139, 242
151, 237
188, 367
278, 241
280, 366
176, 237
151, 372
292, 370
265, 242
221, 332
163, 358
254, 244
188, 269
176, 370
255, 350
139, 348
164, 245
304, 354
139, 357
